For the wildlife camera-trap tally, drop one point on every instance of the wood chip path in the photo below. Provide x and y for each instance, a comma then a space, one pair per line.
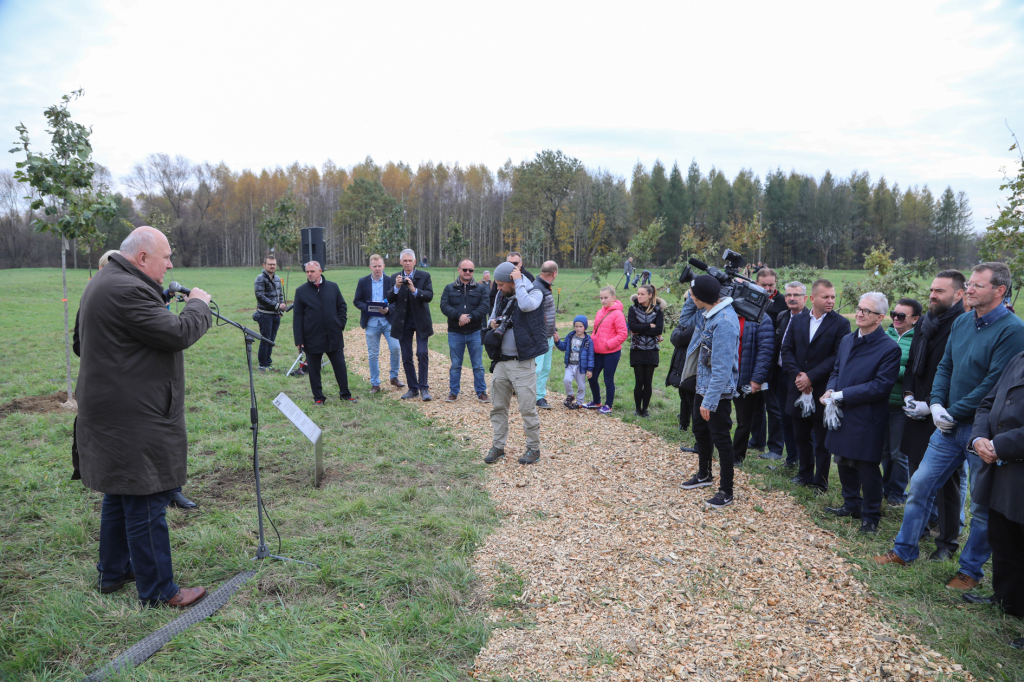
627, 577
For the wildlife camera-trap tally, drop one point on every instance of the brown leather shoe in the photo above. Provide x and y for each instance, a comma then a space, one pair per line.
187, 596
397, 383
483, 397
375, 389
890, 557
962, 581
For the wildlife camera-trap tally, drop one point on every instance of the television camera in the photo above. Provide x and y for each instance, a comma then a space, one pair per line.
748, 299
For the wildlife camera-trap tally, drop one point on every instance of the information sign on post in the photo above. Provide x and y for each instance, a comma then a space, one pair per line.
310, 430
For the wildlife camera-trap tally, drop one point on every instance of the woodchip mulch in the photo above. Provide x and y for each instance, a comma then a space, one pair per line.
628, 577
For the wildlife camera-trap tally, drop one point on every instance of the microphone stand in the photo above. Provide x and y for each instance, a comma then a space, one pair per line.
262, 552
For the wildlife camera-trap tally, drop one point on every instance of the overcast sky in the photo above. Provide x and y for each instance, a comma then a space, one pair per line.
915, 91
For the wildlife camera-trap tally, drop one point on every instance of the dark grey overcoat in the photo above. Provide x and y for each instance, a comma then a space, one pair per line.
131, 382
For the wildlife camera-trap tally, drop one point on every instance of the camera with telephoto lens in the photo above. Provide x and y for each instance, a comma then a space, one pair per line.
504, 322
748, 299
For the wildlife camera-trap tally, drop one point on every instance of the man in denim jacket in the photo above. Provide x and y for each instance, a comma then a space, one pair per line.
713, 356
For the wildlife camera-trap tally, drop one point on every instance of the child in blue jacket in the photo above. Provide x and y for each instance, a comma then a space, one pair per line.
579, 361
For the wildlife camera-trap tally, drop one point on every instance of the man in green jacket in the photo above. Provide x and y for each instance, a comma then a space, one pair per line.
895, 468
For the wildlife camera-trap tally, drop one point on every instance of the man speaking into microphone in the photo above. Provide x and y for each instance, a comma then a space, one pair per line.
131, 434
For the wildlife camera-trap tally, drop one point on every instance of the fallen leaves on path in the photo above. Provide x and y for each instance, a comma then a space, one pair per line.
628, 577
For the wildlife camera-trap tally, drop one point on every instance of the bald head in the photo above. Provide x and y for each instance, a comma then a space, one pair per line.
548, 271
148, 249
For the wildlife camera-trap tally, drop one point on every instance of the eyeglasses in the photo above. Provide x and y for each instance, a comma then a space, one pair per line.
975, 285
468, 269
898, 316
794, 295
866, 311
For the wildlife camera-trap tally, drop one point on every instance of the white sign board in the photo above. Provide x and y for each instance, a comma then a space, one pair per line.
298, 417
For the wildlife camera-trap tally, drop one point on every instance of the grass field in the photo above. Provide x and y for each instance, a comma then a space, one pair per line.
393, 527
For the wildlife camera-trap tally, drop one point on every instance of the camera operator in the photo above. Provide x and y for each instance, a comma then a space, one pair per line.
270, 306
131, 434
411, 298
517, 336
713, 357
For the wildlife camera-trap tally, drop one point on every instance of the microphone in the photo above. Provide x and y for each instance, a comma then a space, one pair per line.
176, 288
693, 261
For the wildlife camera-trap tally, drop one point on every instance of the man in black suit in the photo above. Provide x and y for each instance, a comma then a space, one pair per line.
320, 314
375, 318
411, 296
778, 381
998, 439
808, 356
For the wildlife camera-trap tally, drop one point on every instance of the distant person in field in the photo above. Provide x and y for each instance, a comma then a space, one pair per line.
270, 305
318, 325
131, 434
486, 279
375, 315
627, 270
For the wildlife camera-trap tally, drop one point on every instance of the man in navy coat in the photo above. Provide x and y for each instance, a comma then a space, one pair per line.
318, 325
808, 356
865, 372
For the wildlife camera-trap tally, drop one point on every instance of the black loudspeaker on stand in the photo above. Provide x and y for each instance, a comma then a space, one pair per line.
313, 246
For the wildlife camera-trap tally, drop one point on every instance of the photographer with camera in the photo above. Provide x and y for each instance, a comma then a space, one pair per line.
411, 298
713, 357
517, 335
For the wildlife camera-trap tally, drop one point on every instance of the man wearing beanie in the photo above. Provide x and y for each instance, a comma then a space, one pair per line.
517, 335
712, 356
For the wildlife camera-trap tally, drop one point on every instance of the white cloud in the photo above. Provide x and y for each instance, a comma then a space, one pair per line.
915, 91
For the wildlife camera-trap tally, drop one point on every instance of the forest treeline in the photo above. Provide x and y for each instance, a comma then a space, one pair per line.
549, 207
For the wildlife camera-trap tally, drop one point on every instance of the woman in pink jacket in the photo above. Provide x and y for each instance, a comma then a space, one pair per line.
608, 337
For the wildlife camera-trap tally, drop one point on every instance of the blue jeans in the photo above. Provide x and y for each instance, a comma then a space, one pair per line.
375, 327
945, 454
458, 342
895, 467
268, 328
134, 539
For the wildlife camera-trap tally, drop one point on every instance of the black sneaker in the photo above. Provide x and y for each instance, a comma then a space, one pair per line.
425, 394
410, 394
569, 401
493, 455
696, 482
645, 414
543, 404
530, 456
683, 448
868, 529
574, 406
719, 501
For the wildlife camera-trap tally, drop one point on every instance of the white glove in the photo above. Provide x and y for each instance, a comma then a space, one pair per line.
943, 421
837, 398
908, 402
806, 404
916, 409
832, 414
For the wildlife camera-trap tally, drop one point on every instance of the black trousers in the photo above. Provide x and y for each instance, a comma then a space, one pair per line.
314, 361
1007, 540
810, 446
711, 434
856, 475
643, 386
947, 504
405, 343
747, 406
686, 397
269, 325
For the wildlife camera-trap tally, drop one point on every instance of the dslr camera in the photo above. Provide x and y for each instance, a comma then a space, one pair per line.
748, 300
